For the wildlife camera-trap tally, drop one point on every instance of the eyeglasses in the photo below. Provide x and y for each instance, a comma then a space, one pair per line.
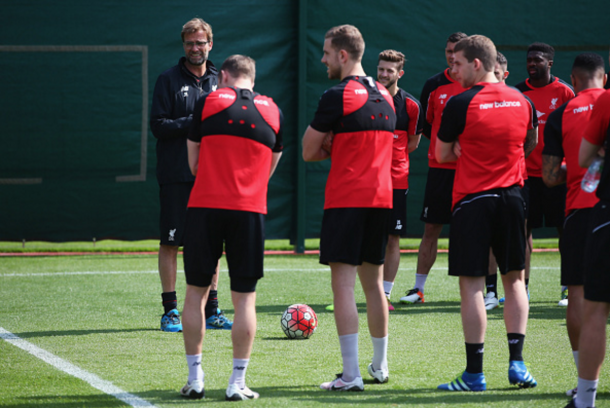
191, 44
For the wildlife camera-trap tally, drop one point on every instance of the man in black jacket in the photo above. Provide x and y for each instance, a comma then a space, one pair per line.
176, 93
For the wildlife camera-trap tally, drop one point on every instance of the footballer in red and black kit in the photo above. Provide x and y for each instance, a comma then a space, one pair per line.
439, 185
409, 121
238, 131
360, 113
597, 261
562, 138
486, 171
546, 206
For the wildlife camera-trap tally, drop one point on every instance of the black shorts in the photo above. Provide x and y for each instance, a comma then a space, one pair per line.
438, 197
354, 235
398, 219
495, 219
572, 247
525, 193
547, 206
243, 236
597, 260
174, 199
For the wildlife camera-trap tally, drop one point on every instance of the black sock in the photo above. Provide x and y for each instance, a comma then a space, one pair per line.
491, 282
527, 283
212, 304
515, 346
169, 301
474, 358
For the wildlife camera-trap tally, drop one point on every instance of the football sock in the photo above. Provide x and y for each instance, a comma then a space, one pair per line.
587, 391
420, 282
212, 304
387, 288
349, 353
474, 357
380, 352
527, 283
170, 301
195, 370
515, 346
240, 365
575, 354
491, 283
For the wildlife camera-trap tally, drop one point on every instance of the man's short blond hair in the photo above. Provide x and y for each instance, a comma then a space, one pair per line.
347, 37
480, 47
195, 25
393, 56
240, 66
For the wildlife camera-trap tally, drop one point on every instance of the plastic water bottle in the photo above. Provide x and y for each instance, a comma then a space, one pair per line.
591, 178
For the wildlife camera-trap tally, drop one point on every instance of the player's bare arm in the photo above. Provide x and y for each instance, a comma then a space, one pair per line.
444, 152
588, 151
312, 145
531, 140
193, 153
275, 158
553, 173
413, 142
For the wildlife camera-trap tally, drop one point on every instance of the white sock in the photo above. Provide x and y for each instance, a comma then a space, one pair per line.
240, 365
420, 282
587, 390
380, 352
349, 353
575, 354
195, 370
387, 288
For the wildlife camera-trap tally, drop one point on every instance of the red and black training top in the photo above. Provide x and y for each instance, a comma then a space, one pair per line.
409, 121
598, 133
360, 113
238, 131
562, 137
434, 96
491, 121
546, 99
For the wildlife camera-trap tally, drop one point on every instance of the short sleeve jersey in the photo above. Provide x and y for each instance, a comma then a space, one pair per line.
546, 99
409, 121
598, 133
238, 131
562, 137
360, 113
434, 96
491, 121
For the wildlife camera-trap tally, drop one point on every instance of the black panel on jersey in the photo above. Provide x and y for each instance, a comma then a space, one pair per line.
431, 84
534, 114
229, 122
553, 133
454, 115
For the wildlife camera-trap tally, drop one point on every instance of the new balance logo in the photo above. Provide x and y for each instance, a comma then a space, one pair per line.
591, 390
514, 341
261, 102
226, 96
398, 225
360, 91
239, 368
185, 91
196, 363
480, 351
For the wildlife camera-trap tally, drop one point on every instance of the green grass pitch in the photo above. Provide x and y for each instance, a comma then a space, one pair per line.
101, 313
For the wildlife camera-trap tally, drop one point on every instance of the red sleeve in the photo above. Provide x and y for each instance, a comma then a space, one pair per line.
599, 122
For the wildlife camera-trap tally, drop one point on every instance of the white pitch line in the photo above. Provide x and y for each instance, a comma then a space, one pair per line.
68, 368
11, 275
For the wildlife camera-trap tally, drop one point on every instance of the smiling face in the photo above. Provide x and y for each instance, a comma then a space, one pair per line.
388, 73
330, 58
196, 48
538, 65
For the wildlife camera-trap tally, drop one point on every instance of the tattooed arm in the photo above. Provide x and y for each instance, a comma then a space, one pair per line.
531, 140
553, 173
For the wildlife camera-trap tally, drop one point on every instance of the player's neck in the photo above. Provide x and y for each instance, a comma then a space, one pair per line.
197, 70
352, 69
540, 82
393, 89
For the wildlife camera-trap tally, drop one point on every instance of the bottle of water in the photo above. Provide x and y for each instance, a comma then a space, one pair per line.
591, 178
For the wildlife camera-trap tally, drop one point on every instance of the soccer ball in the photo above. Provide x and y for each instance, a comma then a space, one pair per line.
299, 322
